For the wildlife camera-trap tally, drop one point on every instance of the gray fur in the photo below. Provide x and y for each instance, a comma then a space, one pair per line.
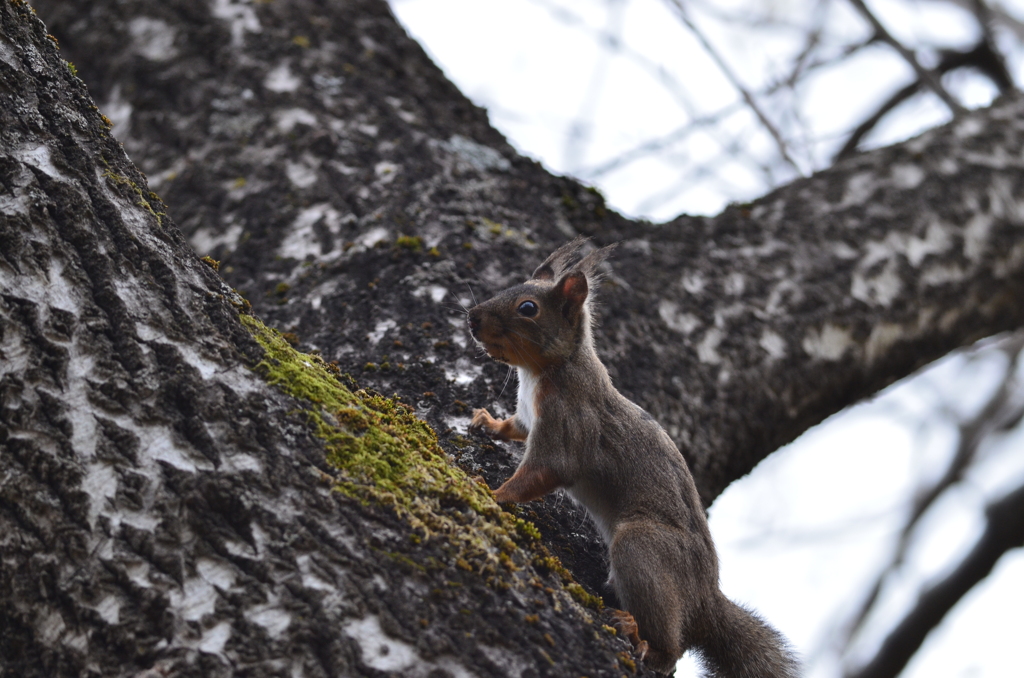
617, 461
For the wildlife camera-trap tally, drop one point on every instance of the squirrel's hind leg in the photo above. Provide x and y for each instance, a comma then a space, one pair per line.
643, 564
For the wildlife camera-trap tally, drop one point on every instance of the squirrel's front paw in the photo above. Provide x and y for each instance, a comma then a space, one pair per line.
482, 420
498, 429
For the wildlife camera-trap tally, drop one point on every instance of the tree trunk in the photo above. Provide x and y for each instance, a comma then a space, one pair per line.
165, 510
354, 196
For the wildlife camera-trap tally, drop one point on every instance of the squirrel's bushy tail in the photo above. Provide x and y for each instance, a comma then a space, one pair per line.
739, 644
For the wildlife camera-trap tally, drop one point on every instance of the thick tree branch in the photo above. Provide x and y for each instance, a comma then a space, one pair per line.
352, 193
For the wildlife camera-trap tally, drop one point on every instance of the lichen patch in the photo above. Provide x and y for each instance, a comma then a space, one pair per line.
380, 651
109, 609
302, 239
906, 176
39, 156
287, 119
152, 38
859, 188
830, 343
280, 79
937, 240
240, 16
303, 173
883, 336
693, 282
436, 293
272, 617
194, 599
478, 156
216, 572
773, 344
684, 323
465, 372
976, 235
881, 288
214, 639
707, 349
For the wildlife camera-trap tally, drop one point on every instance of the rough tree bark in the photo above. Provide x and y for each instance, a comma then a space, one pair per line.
352, 194
164, 510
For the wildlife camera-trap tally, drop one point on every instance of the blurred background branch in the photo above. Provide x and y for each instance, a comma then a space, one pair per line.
925, 76
1001, 413
1004, 531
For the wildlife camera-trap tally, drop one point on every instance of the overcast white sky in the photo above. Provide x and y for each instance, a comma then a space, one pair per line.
578, 83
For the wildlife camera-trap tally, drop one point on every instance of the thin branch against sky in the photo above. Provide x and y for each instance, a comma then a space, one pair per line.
610, 41
928, 77
580, 128
809, 46
1002, 411
727, 71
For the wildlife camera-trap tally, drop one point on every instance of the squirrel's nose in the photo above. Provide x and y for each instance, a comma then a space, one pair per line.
474, 324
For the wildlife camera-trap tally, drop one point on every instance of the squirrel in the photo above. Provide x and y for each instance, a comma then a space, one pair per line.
612, 457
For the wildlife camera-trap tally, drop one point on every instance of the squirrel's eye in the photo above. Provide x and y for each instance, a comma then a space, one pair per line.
528, 309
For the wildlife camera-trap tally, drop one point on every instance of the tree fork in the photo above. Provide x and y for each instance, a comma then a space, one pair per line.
737, 332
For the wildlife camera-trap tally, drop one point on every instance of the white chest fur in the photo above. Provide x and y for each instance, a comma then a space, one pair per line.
526, 409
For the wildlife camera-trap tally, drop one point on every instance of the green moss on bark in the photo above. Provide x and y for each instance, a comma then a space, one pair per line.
385, 455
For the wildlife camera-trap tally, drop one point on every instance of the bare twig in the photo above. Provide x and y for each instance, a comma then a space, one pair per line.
811, 43
611, 40
735, 82
1004, 531
748, 16
982, 57
992, 62
926, 76
1002, 411
658, 144
579, 130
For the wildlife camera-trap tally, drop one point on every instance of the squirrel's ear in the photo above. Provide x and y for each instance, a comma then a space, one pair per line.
544, 272
573, 289
559, 260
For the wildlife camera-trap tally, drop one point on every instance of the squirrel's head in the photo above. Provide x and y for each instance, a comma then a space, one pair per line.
546, 319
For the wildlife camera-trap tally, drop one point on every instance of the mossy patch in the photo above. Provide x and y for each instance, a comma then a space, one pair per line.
386, 456
410, 242
120, 180
384, 452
